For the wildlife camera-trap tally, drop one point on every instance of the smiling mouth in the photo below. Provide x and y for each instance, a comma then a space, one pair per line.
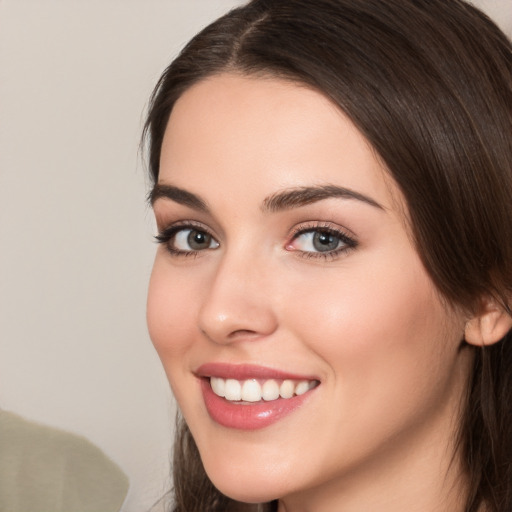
250, 391
252, 397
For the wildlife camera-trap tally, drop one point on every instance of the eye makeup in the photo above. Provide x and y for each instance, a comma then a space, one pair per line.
311, 240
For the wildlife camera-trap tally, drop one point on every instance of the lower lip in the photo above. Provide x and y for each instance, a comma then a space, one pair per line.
248, 416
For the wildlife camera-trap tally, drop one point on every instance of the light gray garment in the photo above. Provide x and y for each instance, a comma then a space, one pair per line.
43, 469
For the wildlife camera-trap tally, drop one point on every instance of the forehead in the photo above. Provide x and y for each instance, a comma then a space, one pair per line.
262, 134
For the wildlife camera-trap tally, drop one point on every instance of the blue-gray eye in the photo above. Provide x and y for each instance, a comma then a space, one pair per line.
324, 241
190, 239
318, 241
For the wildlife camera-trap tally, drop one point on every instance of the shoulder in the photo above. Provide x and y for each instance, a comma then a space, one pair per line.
43, 468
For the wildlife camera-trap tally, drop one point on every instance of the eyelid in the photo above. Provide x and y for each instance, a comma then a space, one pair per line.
304, 227
182, 223
165, 235
345, 235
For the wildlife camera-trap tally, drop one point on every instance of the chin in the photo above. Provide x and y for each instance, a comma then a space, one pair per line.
246, 492
247, 486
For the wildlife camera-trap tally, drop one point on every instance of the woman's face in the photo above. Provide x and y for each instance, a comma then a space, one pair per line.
286, 268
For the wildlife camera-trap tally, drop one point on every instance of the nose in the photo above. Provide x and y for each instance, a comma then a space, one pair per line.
238, 303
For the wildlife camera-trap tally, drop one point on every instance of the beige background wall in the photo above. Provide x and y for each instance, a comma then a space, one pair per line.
75, 234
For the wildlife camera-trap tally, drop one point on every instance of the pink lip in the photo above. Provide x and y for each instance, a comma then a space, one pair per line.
247, 416
246, 371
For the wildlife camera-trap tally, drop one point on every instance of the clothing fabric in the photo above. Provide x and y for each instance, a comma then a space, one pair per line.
44, 469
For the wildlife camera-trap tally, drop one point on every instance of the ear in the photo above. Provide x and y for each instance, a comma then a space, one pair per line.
488, 325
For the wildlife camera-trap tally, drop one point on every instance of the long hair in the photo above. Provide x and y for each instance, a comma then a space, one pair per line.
429, 84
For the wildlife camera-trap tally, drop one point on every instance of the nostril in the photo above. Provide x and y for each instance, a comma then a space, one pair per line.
234, 336
226, 316
246, 333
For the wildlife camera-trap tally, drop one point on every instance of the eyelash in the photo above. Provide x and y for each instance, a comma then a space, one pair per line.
348, 242
166, 236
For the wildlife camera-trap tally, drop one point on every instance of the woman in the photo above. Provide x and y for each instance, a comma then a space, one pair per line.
331, 297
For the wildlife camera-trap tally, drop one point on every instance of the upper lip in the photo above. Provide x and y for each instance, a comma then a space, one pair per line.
246, 371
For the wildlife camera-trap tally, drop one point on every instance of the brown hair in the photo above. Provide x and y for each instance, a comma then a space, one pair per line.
429, 84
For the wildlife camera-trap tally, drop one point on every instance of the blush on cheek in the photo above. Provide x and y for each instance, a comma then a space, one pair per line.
169, 320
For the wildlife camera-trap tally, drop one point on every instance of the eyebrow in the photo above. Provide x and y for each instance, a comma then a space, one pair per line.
302, 196
284, 200
177, 195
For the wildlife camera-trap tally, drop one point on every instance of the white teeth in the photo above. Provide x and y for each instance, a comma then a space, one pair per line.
302, 387
233, 390
270, 390
287, 389
218, 386
252, 391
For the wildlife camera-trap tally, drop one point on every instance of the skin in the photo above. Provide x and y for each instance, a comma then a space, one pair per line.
368, 323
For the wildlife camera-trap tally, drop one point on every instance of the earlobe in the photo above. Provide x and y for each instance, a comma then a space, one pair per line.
489, 325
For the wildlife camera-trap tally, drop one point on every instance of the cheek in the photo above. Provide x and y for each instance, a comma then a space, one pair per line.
382, 327
391, 351
358, 305
170, 315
